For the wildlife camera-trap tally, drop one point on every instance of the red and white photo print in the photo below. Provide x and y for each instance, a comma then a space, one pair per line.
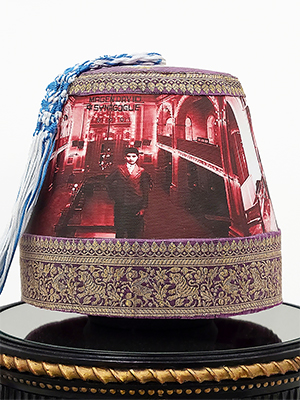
154, 167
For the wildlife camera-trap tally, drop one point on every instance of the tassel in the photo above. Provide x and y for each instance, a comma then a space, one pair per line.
43, 143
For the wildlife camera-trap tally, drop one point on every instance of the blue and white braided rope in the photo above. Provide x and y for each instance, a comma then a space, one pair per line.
42, 147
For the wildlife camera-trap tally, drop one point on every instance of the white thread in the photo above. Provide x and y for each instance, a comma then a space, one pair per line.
42, 146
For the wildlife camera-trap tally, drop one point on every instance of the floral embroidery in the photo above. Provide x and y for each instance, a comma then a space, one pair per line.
192, 278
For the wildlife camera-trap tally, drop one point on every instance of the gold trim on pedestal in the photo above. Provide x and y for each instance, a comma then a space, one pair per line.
168, 375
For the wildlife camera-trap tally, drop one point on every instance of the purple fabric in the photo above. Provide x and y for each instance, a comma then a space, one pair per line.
188, 278
156, 80
157, 68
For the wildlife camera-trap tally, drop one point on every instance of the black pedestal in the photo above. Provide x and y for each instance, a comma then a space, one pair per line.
46, 354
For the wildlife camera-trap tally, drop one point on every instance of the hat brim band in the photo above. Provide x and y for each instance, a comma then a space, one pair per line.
188, 278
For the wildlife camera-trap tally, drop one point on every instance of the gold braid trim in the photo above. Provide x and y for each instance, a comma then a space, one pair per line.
163, 279
108, 375
147, 82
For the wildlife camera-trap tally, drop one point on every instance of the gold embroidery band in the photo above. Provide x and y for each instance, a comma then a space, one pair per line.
158, 81
196, 278
109, 375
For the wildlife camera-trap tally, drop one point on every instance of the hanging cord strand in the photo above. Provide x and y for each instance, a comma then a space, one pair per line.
43, 143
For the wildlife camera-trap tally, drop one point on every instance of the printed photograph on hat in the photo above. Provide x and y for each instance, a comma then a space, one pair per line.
154, 166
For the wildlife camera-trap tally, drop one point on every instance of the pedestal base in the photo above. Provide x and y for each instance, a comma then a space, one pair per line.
48, 354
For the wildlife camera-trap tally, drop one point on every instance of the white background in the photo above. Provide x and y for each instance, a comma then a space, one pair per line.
257, 41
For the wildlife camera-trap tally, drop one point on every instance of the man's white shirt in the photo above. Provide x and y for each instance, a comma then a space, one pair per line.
130, 168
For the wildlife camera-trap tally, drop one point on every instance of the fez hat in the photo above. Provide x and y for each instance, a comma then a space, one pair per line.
207, 243
131, 150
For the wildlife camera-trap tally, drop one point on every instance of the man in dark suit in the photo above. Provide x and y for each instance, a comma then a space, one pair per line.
128, 186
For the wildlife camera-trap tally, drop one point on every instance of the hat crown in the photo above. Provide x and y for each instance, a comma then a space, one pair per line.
186, 231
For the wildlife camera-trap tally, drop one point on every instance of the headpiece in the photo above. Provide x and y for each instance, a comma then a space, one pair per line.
191, 235
131, 150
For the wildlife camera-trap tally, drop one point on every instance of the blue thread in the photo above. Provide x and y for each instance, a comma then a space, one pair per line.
48, 118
